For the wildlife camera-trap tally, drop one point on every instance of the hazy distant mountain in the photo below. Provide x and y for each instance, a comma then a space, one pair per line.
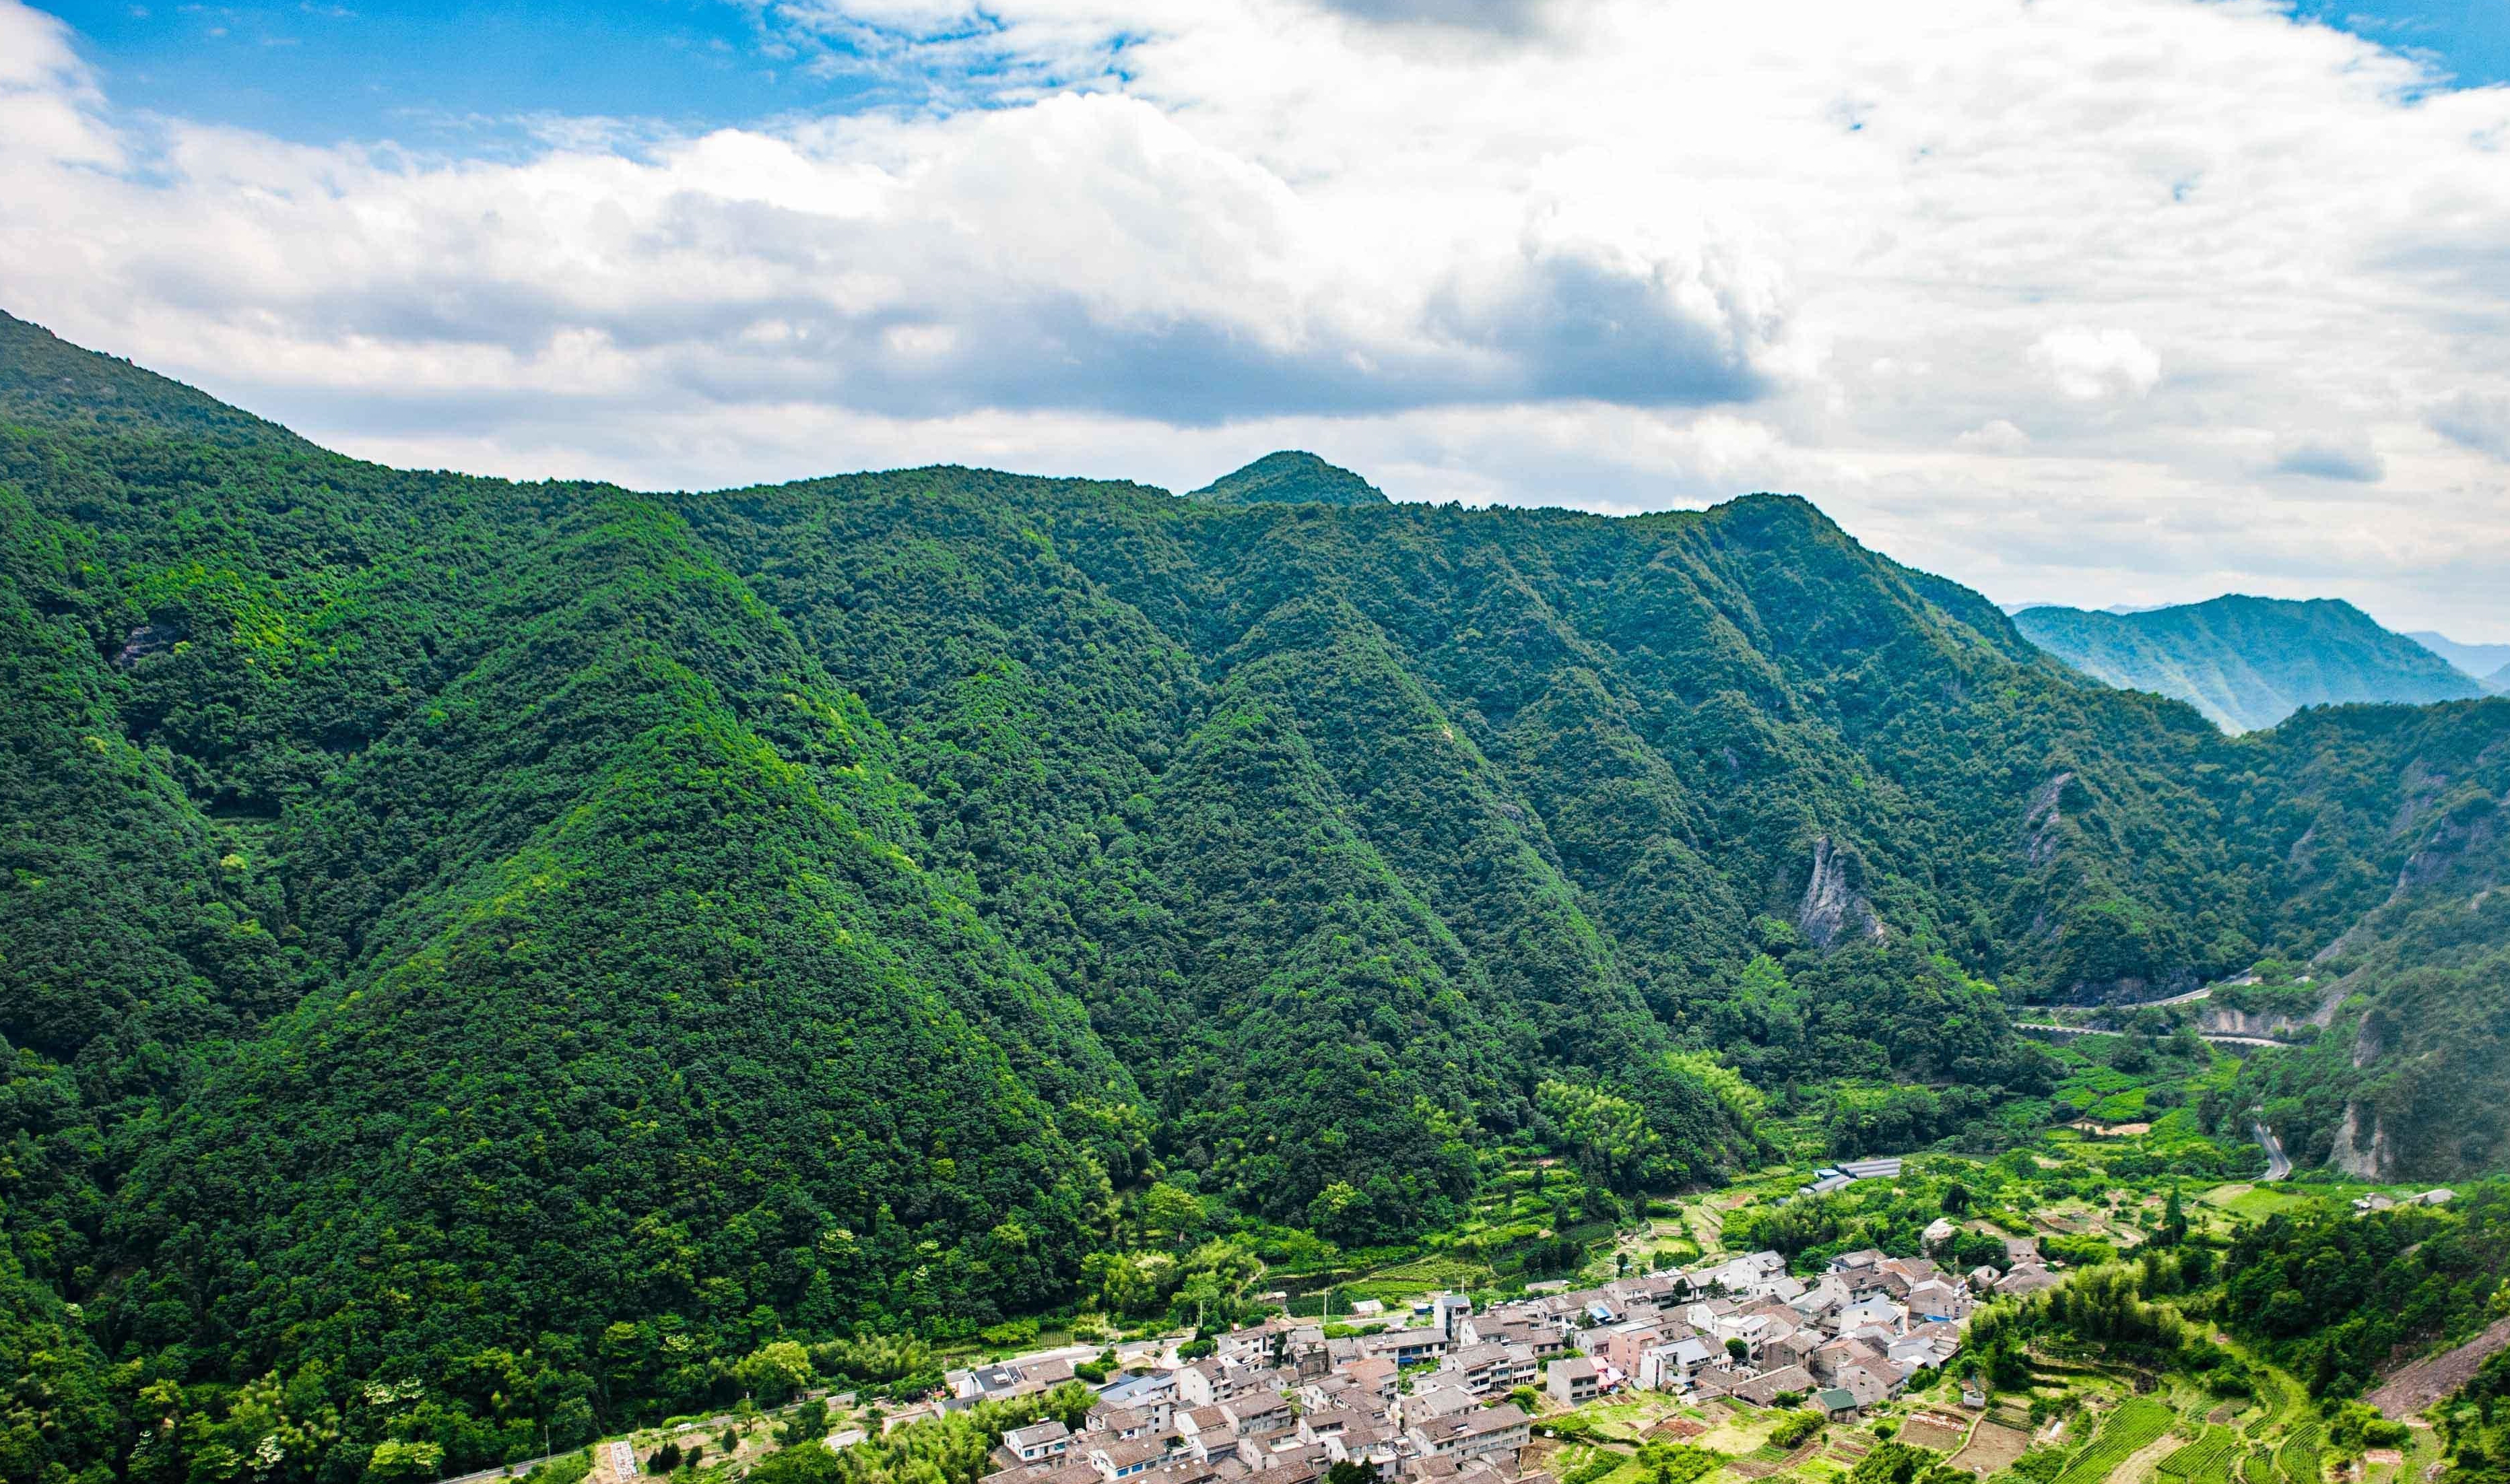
1291, 476
2248, 662
2486, 662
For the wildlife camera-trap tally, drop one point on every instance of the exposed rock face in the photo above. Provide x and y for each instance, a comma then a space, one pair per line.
2224, 1020
2039, 821
1834, 909
2457, 837
145, 640
2363, 1160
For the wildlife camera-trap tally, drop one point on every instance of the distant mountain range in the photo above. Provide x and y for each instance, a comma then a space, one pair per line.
2489, 663
2248, 662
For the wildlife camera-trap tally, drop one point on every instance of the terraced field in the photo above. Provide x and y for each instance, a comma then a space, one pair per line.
2271, 1404
2206, 1460
2297, 1459
2129, 1430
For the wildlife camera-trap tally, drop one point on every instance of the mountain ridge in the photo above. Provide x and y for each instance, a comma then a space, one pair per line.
2246, 662
2488, 664
565, 931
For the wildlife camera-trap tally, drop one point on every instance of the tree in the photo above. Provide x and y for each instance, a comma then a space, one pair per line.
394, 1461
1170, 1212
1735, 1348
775, 1371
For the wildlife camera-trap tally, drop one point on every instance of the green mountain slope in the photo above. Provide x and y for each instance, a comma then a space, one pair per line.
544, 942
2248, 662
2393, 820
1291, 476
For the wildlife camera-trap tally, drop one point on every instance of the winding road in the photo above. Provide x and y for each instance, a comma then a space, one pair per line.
2277, 1165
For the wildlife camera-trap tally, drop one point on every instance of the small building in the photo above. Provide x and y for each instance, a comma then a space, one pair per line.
1834, 1402
1573, 1381
1765, 1389
1037, 1441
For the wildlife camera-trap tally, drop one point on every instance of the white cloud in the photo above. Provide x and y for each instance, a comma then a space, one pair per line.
1994, 436
1604, 252
2087, 364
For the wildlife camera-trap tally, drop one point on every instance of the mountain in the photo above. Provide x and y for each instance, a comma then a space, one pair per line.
2248, 662
2489, 664
552, 941
1290, 477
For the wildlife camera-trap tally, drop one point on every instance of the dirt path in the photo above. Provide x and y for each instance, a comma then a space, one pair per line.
2434, 1376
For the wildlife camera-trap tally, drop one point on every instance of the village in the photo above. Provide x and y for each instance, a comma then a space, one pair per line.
1446, 1391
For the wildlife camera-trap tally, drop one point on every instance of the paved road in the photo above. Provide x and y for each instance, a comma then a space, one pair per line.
2189, 998
2219, 1038
2277, 1167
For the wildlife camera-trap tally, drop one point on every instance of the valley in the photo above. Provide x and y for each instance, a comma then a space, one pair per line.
489, 968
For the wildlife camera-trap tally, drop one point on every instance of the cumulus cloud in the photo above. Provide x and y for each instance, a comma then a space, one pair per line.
2087, 364
1605, 252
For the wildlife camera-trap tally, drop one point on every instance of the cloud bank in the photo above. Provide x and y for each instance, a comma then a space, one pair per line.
2099, 302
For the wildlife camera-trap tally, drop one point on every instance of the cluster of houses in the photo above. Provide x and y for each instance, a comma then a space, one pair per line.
1428, 1397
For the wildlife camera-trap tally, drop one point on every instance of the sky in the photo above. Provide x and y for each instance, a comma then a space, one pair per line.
2088, 301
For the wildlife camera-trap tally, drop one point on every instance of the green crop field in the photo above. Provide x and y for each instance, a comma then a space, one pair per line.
2297, 1459
2271, 1398
2206, 1460
2131, 1428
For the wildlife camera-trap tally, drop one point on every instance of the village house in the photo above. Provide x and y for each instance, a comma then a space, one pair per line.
1038, 1440
1573, 1381
1477, 1435
1765, 1389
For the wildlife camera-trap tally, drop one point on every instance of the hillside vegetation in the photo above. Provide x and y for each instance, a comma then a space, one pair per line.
480, 958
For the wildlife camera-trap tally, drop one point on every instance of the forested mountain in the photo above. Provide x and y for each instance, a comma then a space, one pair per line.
2489, 663
544, 938
2249, 662
1290, 477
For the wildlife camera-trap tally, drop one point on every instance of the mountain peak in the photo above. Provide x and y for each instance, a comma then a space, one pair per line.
1290, 477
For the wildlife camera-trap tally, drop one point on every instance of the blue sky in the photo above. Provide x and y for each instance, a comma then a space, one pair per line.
464, 74
436, 72
2085, 301
2469, 39
460, 74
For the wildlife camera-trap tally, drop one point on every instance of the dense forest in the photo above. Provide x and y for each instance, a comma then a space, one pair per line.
483, 960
